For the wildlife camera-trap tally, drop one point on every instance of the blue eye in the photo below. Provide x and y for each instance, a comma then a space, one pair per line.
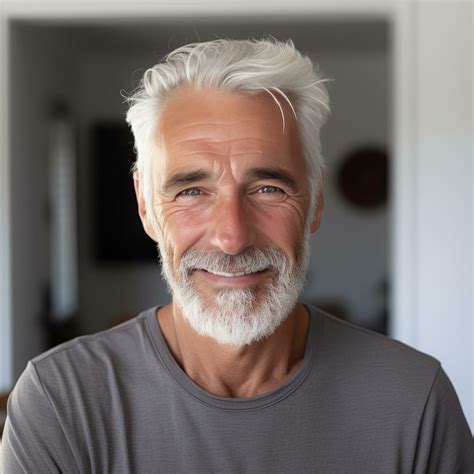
269, 189
191, 192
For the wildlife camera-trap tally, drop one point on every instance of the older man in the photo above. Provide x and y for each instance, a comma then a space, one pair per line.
234, 375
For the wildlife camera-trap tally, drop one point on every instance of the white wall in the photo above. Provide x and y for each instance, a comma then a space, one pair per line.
443, 236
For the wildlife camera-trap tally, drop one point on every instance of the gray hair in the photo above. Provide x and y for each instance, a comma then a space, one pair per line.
248, 66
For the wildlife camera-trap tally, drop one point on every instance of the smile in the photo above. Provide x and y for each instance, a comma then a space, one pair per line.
237, 274
233, 279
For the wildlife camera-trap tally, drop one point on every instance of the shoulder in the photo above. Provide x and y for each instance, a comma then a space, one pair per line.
125, 333
95, 356
63, 391
360, 342
402, 392
372, 359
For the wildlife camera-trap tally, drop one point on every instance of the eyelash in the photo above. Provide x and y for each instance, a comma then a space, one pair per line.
193, 192
190, 192
275, 189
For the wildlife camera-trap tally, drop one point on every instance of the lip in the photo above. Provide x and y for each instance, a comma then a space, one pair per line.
241, 281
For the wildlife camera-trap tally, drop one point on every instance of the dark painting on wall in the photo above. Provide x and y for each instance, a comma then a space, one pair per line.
119, 235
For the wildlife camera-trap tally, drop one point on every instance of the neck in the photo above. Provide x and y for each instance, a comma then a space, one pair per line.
236, 371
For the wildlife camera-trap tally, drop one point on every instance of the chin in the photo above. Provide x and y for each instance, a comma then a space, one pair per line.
237, 317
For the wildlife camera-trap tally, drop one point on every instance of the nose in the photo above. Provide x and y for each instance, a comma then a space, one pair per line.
232, 230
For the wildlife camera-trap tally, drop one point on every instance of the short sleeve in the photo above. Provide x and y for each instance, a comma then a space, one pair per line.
33, 439
445, 443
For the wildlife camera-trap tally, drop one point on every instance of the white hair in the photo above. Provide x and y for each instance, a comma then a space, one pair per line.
244, 66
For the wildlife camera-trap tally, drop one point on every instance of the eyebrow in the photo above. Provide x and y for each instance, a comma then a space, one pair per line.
190, 177
184, 179
275, 174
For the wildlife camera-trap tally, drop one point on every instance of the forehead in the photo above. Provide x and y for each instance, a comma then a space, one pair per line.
219, 106
214, 124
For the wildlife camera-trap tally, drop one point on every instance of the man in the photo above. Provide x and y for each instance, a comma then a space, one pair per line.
234, 375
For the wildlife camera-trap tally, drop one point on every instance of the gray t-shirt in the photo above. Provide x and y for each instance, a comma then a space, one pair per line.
118, 402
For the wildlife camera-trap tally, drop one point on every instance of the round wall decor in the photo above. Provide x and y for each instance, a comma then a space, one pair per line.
363, 177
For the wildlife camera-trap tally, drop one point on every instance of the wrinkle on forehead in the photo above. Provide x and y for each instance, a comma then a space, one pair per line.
257, 131
230, 140
220, 153
231, 147
205, 127
203, 108
213, 124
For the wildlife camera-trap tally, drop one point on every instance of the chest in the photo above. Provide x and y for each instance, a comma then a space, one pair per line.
303, 434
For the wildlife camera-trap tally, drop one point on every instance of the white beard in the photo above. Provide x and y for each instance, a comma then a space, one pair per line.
238, 316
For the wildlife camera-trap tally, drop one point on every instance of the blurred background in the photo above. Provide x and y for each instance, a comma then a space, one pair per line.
394, 251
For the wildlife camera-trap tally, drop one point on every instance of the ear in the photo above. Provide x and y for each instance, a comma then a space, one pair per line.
142, 208
318, 210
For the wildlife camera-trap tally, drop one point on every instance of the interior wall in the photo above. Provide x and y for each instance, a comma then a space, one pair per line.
5, 216
107, 291
444, 208
39, 73
350, 250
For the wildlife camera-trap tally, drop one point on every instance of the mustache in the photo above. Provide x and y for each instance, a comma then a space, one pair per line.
251, 260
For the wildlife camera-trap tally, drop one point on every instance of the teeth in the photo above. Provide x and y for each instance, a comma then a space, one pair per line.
228, 274
234, 274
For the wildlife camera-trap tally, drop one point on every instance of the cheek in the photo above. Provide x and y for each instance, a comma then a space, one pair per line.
290, 213
282, 227
181, 230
